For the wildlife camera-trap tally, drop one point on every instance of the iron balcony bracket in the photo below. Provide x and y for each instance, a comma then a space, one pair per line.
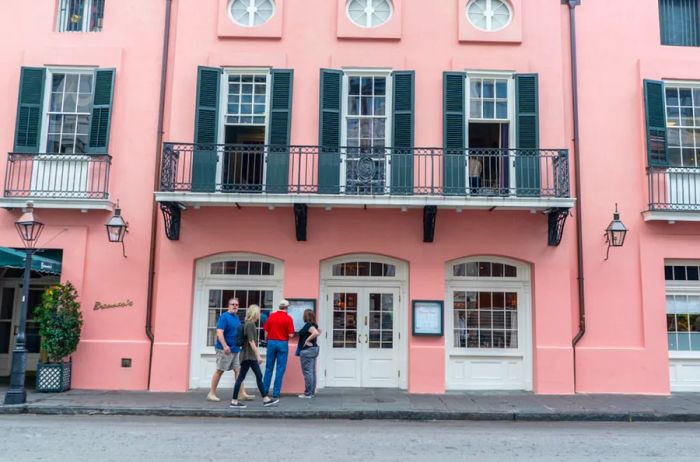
556, 218
429, 216
171, 218
301, 212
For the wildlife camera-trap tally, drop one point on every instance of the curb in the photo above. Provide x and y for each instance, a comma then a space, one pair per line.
341, 414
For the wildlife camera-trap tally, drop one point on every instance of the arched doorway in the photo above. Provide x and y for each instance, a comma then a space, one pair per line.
363, 314
253, 279
488, 325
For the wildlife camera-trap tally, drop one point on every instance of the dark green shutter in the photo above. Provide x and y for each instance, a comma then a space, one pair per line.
454, 133
655, 115
527, 160
329, 132
29, 109
101, 113
206, 130
402, 142
277, 179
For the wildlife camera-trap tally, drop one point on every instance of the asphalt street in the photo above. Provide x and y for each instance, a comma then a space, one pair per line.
133, 439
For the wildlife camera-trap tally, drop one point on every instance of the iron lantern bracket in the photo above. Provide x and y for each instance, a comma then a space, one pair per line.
301, 212
429, 217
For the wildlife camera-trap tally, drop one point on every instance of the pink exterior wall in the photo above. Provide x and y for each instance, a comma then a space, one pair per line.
624, 349
130, 42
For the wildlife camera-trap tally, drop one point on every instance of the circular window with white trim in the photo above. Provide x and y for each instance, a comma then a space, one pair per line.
489, 15
251, 13
369, 13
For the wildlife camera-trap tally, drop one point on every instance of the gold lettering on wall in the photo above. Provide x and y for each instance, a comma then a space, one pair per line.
107, 306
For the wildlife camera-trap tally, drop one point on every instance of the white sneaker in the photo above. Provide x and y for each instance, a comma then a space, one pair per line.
211, 397
305, 396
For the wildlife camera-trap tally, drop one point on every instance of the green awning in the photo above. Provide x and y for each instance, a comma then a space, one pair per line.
42, 262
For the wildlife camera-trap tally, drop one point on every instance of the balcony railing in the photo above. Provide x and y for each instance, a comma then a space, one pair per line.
251, 169
674, 189
57, 176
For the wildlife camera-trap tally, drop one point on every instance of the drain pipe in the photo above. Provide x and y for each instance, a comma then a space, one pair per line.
577, 178
156, 184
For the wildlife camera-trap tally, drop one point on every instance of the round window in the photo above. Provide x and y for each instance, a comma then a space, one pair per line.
489, 15
369, 13
251, 13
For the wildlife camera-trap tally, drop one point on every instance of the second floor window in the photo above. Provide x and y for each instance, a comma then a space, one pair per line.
683, 127
68, 111
80, 15
679, 21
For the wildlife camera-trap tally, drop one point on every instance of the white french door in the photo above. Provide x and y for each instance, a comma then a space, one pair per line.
362, 332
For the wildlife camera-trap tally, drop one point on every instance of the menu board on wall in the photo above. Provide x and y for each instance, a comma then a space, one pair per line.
296, 309
428, 317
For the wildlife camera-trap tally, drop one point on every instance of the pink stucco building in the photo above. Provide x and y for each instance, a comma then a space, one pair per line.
406, 168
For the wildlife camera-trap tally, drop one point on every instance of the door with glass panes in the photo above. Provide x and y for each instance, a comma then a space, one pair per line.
362, 337
10, 305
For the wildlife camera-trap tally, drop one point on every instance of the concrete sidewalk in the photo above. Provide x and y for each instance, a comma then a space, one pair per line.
374, 404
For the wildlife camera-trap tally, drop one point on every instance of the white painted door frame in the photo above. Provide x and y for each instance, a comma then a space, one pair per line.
329, 283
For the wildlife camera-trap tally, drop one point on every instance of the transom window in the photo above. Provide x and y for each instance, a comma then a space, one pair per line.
681, 272
364, 269
218, 305
489, 15
484, 269
485, 319
69, 112
80, 15
242, 268
488, 98
247, 99
683, 320
251, 13
683, 122
369, 13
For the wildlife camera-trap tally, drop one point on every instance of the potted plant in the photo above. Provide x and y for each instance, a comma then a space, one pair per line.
60, 322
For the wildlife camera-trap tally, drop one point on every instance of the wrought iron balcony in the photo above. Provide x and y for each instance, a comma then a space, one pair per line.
71, 179
674, 189
362, 172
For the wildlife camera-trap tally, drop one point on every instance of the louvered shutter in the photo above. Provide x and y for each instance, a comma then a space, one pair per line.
280, 125
101, 113
206, 130
655, 115
29, 109
527, 157
454, 133
329, 132
403, 122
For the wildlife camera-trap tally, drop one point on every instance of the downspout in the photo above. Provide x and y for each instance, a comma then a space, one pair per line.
577, 178
156, 185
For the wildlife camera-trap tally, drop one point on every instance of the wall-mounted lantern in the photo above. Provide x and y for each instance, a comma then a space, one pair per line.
117, 228
615, 233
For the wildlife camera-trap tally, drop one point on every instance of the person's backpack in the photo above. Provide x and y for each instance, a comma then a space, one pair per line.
240, 336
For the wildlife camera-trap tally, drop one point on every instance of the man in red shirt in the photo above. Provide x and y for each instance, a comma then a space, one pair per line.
279, 328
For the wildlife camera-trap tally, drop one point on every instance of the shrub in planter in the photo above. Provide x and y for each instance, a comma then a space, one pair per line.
60, 322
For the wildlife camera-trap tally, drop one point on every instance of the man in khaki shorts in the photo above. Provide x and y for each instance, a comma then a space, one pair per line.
227, 353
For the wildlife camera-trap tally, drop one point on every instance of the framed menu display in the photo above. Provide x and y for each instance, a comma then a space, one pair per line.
428, 318
296, 309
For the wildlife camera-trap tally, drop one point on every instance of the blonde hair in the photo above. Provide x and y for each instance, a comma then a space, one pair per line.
252, 314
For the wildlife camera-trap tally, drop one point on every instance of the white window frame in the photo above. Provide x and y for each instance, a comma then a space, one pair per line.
368, 17
87, 16
489, 25
511, 120
691, 288
223, 112
251, 18
50, 71
388, 110
678, 84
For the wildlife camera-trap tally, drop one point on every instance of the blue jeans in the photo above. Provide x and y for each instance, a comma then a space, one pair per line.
277, 352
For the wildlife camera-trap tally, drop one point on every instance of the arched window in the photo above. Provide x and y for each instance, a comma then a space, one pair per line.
364, 269
242, 268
